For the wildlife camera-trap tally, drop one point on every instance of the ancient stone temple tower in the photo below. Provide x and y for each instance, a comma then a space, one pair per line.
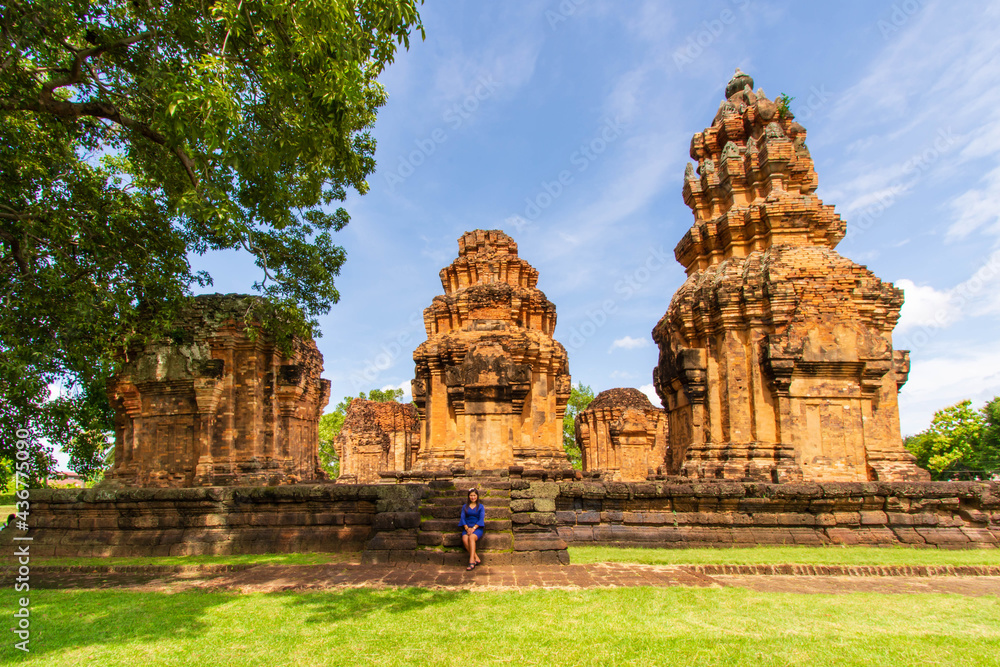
376, 437
215, 407
623, 435
491, 383
776, 359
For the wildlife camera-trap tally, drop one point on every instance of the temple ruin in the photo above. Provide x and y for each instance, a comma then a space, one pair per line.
215, 406
376, 437
776, 360
491, 383
622, 435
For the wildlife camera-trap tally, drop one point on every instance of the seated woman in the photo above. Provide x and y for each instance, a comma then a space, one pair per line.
472, 521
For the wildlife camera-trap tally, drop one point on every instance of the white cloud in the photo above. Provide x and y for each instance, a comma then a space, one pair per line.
629, 343
405, 386
938, 382
650, 391
977, 208
925, 307
928, 307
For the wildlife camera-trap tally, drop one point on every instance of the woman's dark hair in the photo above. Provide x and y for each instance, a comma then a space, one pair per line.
468, 497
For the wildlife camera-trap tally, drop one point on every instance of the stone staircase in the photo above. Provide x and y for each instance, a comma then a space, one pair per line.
438, 537
520, 529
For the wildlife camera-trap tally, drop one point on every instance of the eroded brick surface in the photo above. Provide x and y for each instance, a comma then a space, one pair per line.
215, 406
776, 358
376, 437
623, 435
491, 383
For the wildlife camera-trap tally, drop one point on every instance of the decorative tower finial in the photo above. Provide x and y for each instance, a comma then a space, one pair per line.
739, 81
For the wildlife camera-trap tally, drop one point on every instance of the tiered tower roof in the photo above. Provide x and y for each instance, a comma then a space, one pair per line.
754, 185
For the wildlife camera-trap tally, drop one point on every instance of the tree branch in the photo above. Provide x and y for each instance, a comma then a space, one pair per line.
16, 253
80, 57
66, 109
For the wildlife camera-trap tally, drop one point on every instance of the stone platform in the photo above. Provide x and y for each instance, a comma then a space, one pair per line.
532, 516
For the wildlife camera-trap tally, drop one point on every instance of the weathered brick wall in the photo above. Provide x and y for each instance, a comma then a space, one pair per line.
214, 520
941, 514
546, 513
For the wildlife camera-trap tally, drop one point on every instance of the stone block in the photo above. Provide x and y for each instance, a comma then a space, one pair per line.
901, 519
496, 541
566, 518
847, 518
539, 543
544, 490
543, 518
523, 505
874, 518
545, 505
943, 536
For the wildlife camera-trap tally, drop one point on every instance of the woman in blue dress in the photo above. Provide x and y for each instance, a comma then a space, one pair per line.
472, 521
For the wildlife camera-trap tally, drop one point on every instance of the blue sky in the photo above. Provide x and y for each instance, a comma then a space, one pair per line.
567, 124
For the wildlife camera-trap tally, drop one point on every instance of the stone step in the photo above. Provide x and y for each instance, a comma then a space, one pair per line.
447, 512
452, 513
490, 541
463, 494
459, 559
446, 525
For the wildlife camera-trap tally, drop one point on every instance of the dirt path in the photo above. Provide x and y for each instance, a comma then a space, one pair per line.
271, 578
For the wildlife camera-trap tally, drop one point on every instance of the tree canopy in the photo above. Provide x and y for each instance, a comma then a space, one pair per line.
331, 423
579, 398
136, 134
960, 442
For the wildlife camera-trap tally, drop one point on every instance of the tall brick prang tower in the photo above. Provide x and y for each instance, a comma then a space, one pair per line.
776, 359
491, 383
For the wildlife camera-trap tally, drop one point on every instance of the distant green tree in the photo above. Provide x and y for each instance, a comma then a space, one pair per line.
959, 439
579, 398
331, 423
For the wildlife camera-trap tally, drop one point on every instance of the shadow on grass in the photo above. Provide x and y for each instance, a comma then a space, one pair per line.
69, 620
65, 621
351, 603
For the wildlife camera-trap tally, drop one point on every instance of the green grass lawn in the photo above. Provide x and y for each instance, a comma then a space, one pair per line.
832, 555
633, 626
7, 505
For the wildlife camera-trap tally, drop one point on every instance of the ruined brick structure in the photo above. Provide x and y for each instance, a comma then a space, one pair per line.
214, 406
491, 383
623, 435
376, 437
776, 359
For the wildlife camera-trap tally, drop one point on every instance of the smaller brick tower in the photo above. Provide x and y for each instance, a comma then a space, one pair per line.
491, 383
623, 435
215, 407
